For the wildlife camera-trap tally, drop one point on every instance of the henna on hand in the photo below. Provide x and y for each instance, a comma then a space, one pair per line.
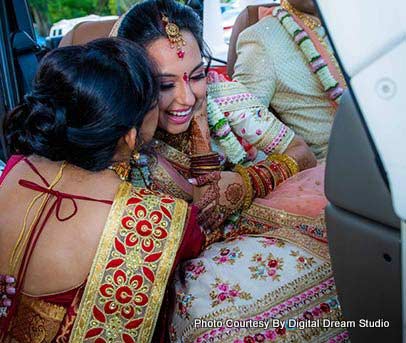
200, 131
219, 199
200, 138
234, 193
205, 179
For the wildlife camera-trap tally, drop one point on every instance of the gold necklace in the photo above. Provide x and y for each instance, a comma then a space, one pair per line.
180, 141
307, 19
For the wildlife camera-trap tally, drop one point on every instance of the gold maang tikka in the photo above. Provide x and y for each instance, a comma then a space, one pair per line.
175, 36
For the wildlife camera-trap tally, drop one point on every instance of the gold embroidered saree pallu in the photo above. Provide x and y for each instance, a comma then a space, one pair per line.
127, 282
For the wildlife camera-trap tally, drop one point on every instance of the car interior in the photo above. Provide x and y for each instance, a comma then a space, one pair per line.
363, 228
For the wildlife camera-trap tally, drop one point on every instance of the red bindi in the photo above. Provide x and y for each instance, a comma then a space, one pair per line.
185, 77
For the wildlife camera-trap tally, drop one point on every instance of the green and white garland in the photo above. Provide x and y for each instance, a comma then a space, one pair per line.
317, 64
223, 134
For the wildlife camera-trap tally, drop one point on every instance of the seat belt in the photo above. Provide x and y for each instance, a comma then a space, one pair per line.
24, 44
25, 48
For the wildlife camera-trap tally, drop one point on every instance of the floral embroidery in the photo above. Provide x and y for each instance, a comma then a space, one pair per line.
266, 267
193, 271
224, 292
124, 295
320, 310
184, 303
228, 256
302, 261
269, 241
119, 292
145, 228
267, 336
318, 232
222, 130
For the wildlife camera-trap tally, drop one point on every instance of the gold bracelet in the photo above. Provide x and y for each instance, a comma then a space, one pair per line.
207, 167
289, 161
248, 186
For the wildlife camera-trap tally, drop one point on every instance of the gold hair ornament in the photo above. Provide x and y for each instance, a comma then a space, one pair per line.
175, 36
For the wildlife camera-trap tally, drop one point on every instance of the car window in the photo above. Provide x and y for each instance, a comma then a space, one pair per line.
219, 19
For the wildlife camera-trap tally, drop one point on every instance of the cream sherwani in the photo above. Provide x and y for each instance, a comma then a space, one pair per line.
274, 69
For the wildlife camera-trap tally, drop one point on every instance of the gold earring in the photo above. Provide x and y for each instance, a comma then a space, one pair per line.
122, 169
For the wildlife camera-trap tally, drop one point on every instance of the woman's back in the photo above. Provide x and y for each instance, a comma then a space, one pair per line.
63, 255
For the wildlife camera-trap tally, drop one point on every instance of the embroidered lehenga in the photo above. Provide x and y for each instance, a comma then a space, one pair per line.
145, 236
274, 261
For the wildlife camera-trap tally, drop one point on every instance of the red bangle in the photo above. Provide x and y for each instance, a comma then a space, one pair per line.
266, 180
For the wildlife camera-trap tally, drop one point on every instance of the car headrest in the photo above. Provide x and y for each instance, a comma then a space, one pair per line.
248, 17
87, 31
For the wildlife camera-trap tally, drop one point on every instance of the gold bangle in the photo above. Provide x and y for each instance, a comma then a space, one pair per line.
288, 160
248, 186
207, 167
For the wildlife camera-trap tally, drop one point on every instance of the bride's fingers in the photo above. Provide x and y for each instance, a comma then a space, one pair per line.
202, 180
212, 77
205, 214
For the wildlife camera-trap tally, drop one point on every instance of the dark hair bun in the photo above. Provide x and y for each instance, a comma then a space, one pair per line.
84, 99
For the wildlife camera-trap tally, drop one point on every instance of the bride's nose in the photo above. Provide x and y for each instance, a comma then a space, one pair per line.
185, 95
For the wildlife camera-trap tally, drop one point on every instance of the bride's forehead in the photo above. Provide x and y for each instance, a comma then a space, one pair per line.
166, 56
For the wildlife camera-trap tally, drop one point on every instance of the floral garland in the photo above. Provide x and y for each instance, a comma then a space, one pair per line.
317, 64
223, 134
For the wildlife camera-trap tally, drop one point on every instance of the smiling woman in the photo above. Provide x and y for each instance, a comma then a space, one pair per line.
182, 83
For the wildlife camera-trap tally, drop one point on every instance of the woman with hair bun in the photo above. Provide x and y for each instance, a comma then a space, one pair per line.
269, 256
85, 257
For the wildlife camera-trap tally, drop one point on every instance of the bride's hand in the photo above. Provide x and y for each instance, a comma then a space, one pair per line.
215, 77
200, 131
217, 195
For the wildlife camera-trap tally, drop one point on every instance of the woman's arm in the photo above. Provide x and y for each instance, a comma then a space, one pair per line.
253, 122
301, 153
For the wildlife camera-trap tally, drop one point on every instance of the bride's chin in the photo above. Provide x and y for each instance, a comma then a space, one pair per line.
178, 129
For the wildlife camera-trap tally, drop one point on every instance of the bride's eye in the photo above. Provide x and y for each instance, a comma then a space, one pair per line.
166, 86
199, 76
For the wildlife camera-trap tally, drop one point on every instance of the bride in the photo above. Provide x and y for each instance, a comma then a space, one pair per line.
267, 254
